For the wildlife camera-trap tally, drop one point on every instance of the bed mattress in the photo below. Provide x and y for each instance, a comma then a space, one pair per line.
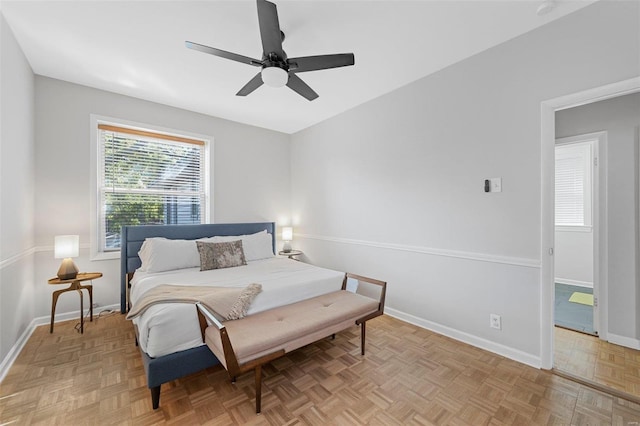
164, 329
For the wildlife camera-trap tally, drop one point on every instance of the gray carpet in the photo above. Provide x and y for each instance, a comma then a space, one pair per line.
574, 316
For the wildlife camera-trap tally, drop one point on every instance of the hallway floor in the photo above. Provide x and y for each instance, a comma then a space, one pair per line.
575, 316
596, 360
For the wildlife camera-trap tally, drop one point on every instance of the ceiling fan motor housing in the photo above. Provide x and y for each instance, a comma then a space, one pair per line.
273, 60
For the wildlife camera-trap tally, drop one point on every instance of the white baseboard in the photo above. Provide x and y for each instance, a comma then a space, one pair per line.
574, 282
627, 342
8, 360
11, 357
506, 351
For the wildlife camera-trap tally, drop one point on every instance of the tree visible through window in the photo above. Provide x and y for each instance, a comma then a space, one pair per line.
148, 178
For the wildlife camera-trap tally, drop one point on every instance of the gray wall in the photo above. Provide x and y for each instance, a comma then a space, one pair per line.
249, 181
393, 188
17, 289
620, 118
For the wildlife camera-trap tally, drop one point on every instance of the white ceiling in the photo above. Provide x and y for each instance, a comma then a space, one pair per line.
136, 48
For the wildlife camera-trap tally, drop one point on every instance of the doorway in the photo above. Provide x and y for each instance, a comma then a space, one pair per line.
576, 231
548, 237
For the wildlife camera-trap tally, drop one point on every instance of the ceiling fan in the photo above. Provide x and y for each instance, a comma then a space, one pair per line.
277, 69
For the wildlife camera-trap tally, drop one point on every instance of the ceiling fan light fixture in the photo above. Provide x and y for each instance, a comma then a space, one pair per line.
274, 76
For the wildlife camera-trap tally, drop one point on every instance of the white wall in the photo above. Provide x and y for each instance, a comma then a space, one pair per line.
620, 118
17, 290
394, 188
250, 179
573, 255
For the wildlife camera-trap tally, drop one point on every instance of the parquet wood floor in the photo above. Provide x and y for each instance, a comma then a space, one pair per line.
597, 360
409, 376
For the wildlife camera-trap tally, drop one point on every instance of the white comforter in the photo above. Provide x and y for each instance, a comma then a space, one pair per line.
164, 329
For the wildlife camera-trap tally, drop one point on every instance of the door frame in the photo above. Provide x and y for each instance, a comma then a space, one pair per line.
548, 109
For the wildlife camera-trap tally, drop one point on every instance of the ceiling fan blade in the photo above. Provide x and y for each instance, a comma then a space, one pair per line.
321, 62
269, 28
252, 85
223, 53
296, 84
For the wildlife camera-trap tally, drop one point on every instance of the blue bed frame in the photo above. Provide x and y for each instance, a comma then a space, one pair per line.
174, 366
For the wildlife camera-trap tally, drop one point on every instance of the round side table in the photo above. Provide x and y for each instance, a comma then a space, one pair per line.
75, 285
291, 254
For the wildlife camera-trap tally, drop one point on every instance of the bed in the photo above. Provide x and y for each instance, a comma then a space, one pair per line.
169, 335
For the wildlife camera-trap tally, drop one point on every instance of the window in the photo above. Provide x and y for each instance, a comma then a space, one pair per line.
145, 177
573, 184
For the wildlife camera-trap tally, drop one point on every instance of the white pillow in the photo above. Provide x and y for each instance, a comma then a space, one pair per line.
161, 254
255, 246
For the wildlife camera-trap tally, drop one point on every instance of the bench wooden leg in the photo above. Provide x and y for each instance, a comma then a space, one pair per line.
258, 388
363, 330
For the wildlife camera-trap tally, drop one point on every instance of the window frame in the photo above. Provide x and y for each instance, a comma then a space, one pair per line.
96, 252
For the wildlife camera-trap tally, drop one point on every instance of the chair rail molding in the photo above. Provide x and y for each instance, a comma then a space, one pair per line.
33, 250
17, 257
480, 257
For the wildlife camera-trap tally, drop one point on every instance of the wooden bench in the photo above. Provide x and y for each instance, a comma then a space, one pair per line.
248, 343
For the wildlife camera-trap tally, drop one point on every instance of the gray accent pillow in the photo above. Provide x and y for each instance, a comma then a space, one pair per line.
220, 255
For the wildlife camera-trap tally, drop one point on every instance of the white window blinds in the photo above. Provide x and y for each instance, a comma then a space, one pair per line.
573, 184
147, 178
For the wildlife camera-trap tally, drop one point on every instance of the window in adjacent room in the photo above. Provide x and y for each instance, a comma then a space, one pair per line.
146, 177
573, 184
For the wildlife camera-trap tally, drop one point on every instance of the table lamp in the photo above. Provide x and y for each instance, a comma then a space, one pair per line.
287, 236
66, 247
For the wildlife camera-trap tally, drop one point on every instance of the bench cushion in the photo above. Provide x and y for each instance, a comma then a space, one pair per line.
292, 326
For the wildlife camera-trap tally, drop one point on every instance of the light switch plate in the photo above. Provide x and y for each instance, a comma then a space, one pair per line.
496, 184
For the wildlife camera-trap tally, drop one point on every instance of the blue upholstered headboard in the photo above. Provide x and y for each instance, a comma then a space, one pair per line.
132, 238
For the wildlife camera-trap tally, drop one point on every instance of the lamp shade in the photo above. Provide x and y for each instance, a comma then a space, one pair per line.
287, 233
66, 246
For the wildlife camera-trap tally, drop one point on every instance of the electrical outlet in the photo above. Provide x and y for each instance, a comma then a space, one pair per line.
495, 321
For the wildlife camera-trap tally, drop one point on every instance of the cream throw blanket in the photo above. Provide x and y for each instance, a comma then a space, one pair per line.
227, 303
